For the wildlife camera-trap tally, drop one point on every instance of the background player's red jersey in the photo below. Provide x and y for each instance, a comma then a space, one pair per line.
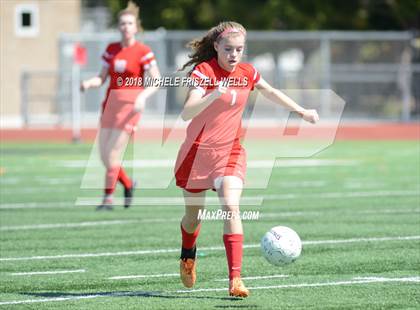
126, 62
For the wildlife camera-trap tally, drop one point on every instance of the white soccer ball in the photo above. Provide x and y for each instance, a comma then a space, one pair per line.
281, 245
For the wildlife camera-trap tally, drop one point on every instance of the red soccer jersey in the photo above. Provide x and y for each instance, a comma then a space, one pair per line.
212, 147
125, 63
220, 123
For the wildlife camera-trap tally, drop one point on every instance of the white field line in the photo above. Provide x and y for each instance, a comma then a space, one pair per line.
47, 272
349, 182
249, 200
319, 284
411, 279
214, 248
36, 205
41, 189
391, 211
363, 185
85, 224
168, 201
12, 180
401, 178
147, 201
290, 214
340, 212
258, 200
356, 240
295, 184
268, 163
274, 276
157, 294
245, 200
45, 180
57, 181
70, 298
382, 193
67, 225
145, 276
163, 220
291, 163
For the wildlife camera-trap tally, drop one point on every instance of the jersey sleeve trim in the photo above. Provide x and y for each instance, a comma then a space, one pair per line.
107, 56
146, 57
147, 66
199, 74
256, 77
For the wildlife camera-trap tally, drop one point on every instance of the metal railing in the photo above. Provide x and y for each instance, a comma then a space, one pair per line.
376, 73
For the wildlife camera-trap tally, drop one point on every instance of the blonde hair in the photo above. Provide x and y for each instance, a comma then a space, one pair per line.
203, 48
134, 10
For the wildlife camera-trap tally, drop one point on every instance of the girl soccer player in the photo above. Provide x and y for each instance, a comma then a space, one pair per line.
123, 61
211, 157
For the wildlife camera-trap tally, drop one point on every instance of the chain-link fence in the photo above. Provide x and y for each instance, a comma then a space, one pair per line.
376, 73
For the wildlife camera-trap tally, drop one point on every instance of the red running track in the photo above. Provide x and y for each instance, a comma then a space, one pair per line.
374, 131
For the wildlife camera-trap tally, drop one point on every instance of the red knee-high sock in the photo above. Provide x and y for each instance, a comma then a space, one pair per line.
124, 178
233, 245
111, 177
188, 239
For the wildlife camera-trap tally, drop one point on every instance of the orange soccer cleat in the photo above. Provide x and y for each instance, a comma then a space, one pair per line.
237, 288
187, 271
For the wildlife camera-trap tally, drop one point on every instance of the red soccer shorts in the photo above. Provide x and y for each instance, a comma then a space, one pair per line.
197, 168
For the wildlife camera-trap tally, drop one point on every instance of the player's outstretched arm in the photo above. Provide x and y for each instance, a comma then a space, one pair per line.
279, 97
96, 81
196, 102
154, 74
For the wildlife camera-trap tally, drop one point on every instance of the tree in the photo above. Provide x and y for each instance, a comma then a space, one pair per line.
278, 14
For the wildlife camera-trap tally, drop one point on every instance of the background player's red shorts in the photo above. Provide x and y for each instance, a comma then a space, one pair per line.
118, 111
120, 116
197, 168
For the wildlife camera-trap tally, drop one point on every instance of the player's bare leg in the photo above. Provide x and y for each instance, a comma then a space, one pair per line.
116, 147
190, 228
104, 135
229, 189
112, 144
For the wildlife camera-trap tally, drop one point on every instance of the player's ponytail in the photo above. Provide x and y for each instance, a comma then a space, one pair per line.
203, 48
134, 10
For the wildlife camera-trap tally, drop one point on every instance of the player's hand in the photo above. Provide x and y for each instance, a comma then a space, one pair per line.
310, 116
222, 89
139, 104
84, 86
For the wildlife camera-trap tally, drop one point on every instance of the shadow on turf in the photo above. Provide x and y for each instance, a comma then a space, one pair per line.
127, 294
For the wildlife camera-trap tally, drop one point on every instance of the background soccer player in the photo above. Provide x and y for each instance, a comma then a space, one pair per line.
124, 103
212, 157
